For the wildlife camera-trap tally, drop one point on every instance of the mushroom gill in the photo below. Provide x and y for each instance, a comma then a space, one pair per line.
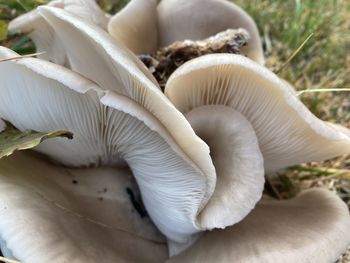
109, 129
288, 133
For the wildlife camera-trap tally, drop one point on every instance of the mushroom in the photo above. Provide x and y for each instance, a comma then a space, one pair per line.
111, 129
139, 34
287, 132
210, 214
174, 21
43, 36
120, 117
313, 227
180, 20
56, 214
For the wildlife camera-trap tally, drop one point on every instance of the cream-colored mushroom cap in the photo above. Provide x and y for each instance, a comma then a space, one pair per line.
198, 19
287, 132
135, 26
119, 70
313, 227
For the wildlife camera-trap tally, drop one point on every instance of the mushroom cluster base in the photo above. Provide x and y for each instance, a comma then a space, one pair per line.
166, 60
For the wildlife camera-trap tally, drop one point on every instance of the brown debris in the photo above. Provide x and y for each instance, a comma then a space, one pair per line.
166, 60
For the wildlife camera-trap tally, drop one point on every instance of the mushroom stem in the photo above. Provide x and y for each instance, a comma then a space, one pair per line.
238, 162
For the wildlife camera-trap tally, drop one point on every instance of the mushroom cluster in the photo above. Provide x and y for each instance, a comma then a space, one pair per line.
151, 176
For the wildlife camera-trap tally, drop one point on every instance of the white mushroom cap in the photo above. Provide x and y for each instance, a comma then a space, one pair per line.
110, 129
54, 214
135, 26
313, 227
288, 133
88, 10
198, 19
41, 33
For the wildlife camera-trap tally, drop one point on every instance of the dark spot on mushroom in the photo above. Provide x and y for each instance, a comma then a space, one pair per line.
103, 191
75, 182
137, 203
100, 198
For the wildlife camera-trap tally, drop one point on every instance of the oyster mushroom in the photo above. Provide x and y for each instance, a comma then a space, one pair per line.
287, 132
112, 129
212, 214
313, 227
56, 214
151, 26
180, 20
122, 100
140, 34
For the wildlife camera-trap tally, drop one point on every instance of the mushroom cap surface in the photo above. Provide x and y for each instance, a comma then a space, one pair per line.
135, 26
56, 214
288, 133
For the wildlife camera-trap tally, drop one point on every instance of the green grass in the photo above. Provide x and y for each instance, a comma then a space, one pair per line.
323, 61
112, 6
10, 9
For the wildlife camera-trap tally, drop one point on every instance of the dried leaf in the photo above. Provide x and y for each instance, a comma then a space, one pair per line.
12, 140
